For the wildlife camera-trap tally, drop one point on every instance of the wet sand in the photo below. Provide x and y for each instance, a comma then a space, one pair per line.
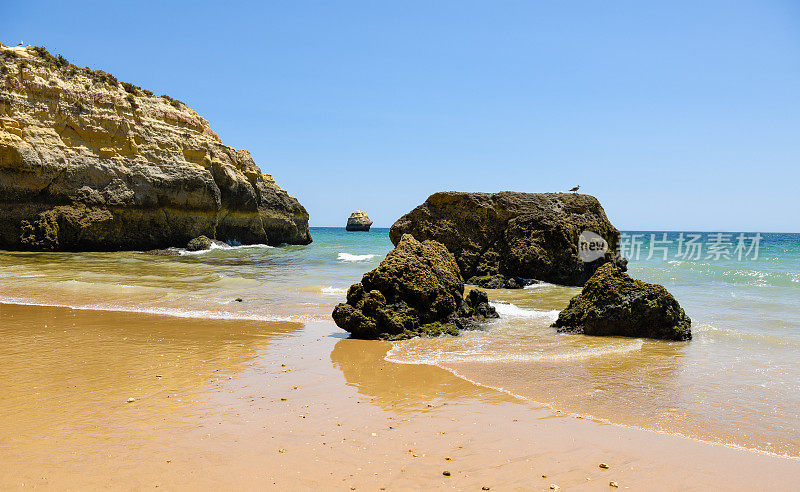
250, 405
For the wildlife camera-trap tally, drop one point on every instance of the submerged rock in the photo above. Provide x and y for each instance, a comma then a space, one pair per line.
497, 282
514, 235
91, 163
613, 303
358, 221
416, 291
202, 243
474, 309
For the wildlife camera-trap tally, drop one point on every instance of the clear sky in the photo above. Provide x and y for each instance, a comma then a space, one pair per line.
679, 115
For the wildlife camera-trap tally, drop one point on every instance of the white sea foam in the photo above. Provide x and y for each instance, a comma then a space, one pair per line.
163, 311
215, 246
508, 310
539, 285
352, 258
334, 291
422, 355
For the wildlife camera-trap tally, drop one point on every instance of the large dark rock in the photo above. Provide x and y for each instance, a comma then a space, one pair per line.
416, 291
613, 303
523, 235
89, 163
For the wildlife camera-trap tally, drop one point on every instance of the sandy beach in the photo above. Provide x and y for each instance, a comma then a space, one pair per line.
250, 405
400, 246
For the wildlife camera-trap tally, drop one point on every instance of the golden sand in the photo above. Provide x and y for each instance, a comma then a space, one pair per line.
252, 405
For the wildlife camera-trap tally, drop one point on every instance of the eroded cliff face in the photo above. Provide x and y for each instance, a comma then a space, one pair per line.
89, 163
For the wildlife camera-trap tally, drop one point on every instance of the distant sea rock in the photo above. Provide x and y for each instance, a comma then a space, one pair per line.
503, 238
91, 163
613, 303
358, 221
416, 291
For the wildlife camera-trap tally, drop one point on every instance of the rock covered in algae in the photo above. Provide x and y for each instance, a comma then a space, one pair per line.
512, 236
613, 303
417, 290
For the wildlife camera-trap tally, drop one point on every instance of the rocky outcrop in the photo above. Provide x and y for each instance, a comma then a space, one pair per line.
416, 291
613, 303
91, 163
522, 235
202, 243
498, 281
358, 221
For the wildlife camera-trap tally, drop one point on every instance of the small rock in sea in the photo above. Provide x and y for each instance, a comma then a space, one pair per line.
604, 466
131, 399
613, 485
613, 303
358, 221
446, 473
239, 299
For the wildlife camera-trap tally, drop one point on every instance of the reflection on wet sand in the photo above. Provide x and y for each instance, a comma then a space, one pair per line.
67, 375
402, 387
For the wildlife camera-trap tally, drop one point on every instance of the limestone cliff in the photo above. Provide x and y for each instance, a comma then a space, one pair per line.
91, 163
358, 221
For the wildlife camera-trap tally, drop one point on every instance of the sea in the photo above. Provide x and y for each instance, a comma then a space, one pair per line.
736, 383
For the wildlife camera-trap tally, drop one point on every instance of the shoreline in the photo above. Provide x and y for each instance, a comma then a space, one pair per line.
599, 420
343, 390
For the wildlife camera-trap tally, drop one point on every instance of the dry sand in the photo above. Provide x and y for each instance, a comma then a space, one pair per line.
246, 405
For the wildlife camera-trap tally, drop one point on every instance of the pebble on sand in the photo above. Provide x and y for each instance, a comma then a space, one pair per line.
131, 399
604, 466
446, 473
554, 487
614, 485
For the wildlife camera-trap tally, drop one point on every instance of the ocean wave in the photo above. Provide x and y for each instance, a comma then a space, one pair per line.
164, 311
737, 274
402, 353
333, 291
539, 285
506, 309
712, 333
227, 247
348, 257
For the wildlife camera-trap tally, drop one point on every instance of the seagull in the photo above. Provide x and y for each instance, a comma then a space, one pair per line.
575, 189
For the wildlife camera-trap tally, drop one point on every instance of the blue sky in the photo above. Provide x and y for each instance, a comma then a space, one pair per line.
676, 115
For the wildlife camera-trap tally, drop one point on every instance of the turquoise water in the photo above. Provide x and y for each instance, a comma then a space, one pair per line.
736, 382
